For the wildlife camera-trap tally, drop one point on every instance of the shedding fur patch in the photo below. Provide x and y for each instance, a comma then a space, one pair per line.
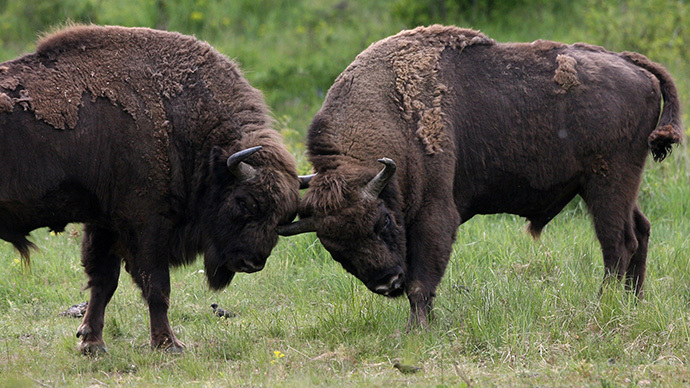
135, 68
415, 61
8, 83
6, 104
121, 64
566, 74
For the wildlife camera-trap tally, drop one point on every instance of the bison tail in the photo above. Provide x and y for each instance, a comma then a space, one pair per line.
669, 129
535, 227
24, 247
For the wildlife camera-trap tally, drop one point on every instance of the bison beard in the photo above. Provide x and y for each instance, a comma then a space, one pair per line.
478, 127
157, 143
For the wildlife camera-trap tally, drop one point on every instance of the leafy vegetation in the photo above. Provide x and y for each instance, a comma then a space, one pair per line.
509, 312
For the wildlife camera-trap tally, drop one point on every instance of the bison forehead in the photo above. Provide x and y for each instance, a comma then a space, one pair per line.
340, 188
355, 222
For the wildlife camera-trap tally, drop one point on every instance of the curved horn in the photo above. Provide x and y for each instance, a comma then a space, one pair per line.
377, 183
304, 180
304, 225
238, 167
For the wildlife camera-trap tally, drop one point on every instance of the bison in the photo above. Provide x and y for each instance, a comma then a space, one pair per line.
158, 145
479, 127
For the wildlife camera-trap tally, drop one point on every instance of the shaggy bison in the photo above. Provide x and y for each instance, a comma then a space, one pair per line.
478, 127
155, 142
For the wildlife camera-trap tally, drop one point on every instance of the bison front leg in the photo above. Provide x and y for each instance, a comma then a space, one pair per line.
429, 244
103, 270
154, 281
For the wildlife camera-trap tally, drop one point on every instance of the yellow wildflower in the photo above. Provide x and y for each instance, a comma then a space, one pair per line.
196, 16
277, 355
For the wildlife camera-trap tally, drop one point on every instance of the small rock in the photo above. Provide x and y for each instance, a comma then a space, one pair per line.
75, 311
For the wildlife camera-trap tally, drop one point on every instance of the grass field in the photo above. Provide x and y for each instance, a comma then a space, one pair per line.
510, 311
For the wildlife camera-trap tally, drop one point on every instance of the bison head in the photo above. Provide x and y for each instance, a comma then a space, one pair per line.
359, 222
249, 195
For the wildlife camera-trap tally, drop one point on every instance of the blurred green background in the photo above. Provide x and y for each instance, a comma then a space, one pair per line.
293, 49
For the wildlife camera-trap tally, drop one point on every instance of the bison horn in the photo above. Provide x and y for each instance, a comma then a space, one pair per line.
376, 184
238, 167
304, 225
304, 180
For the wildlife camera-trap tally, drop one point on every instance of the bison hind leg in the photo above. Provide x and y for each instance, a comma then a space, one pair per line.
638, 263
622, 231
102, 266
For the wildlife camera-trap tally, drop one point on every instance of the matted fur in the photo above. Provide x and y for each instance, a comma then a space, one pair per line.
566, 75
413, 56
134, 67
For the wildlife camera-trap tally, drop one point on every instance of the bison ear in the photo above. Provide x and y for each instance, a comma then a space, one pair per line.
217, 166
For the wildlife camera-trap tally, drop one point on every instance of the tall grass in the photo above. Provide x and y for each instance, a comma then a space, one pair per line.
510, 311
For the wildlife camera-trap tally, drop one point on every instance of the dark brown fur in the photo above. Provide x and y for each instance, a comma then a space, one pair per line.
128, 130
519, 128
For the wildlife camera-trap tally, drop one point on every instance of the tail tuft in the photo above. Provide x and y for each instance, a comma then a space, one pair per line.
661, 141
534, 228
24, 247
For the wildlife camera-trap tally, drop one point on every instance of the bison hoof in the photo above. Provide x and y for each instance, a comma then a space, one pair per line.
174, 349
171, 346
417, 322
92, 349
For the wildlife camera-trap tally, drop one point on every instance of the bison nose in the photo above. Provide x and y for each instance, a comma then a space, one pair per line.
250, 266
392, 285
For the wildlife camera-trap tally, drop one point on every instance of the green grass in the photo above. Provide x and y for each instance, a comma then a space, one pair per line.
510, 311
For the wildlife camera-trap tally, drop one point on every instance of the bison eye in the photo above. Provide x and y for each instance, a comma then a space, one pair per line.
386, 222
382, 224
247, 204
